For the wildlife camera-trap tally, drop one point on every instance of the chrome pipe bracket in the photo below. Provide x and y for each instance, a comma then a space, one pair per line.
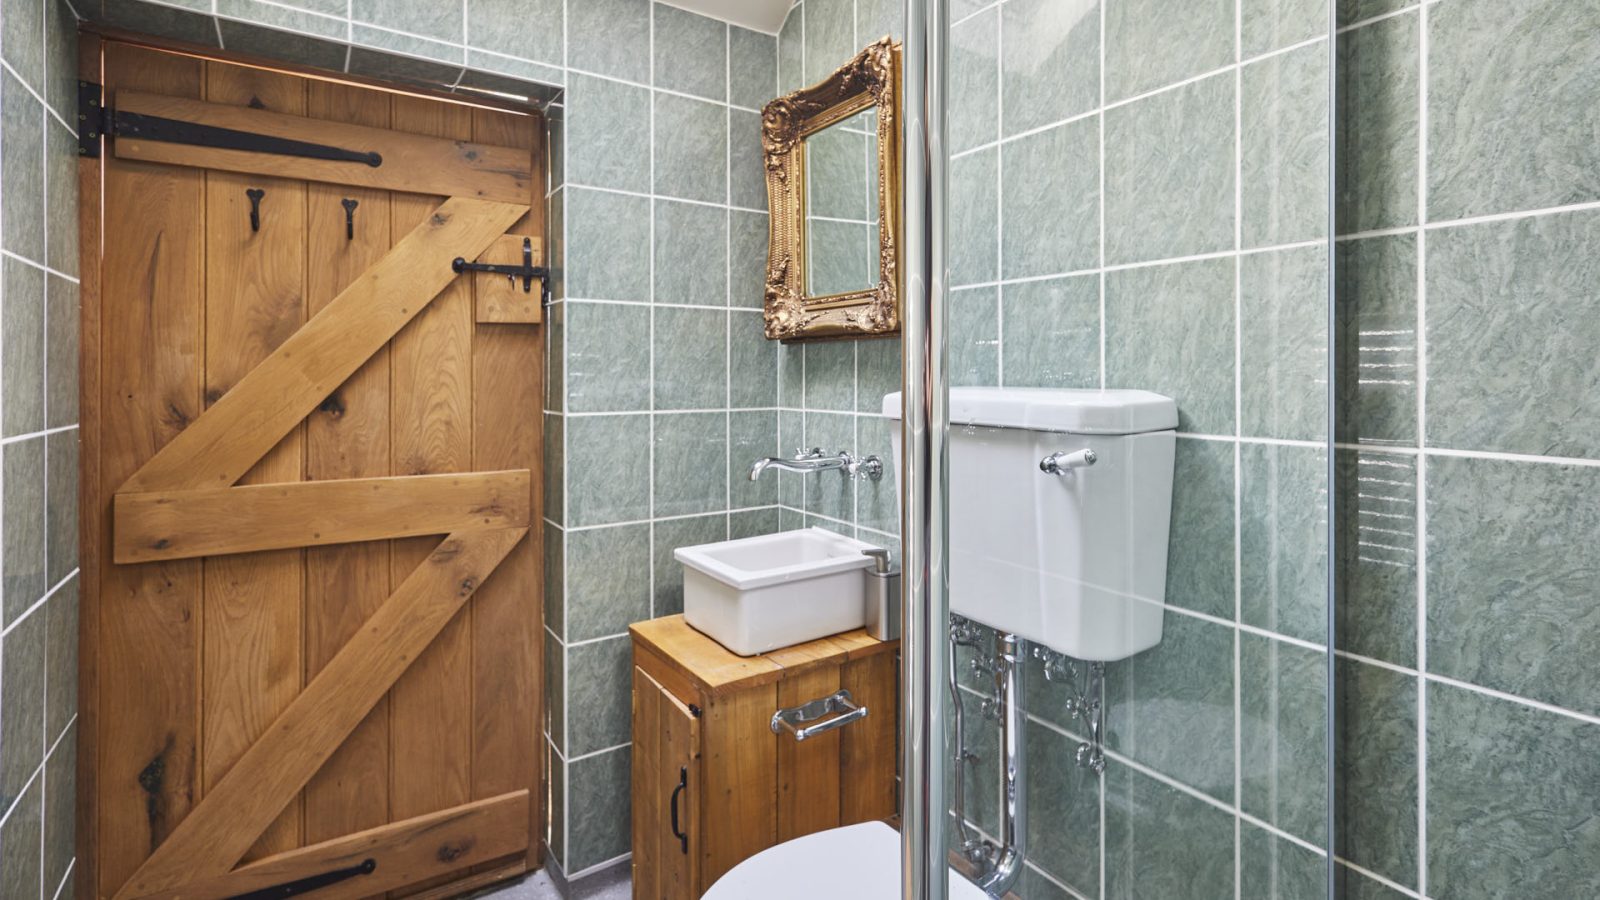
791, 718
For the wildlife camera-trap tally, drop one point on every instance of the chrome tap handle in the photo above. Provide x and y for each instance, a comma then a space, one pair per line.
1060, 462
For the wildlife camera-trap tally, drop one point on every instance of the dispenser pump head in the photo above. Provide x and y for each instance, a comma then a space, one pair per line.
880, 559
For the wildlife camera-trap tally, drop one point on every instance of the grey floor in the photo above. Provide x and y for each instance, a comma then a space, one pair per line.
538, 886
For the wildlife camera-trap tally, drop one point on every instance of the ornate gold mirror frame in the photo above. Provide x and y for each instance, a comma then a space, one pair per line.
871, 79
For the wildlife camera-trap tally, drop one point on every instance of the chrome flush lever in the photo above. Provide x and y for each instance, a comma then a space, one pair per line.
1059, 462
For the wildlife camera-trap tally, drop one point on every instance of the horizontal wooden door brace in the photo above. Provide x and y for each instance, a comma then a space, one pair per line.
184, 132
156, 525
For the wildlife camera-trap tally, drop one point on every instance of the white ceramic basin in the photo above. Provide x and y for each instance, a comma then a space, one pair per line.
760, 593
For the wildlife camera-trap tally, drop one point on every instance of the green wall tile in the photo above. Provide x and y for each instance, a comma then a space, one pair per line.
1375, 759
829, 37
1376, 157
1511, 103
1283, 344
1152, 43
1051, 62
973, 117
691, 358
1170, 173
691, 463
530, 29
22, 348
1051, 332
1170, 329
1376, 286
607, 134
1267, 25
608, 580
610, 37
1511, 578
1283, 732
608, 246
1284, 147
1050, 196
1283, 539
974, 217
1272, 868
1509, 813
608, 356
1200, 542
601, 813
1063, 828
1512, 336
691, 143
1162, 842
974, 338
691, 53
753, 363
1377, 548
754, 65
601, 493
751, 436
670, 534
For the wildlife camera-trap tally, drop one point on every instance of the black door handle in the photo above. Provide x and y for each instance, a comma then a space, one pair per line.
683, 782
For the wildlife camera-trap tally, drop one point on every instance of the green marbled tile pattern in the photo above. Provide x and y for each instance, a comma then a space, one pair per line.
1283, 346
22, 348
555, 579
162, 21
61, 665
1512, 336
21, 873
607, 245
669, 535
1376, 388
1375, 766
61, 352
61, 198
747, 171
22, 42
752, 363
1511, 578
829, 493
754, 65
555, 828
1268, 25
836, 174
751, 435
555, 465
555, 677
1152, 43
974, 217
288, 46
1512, 113
428, 18
1200, 537
830, 377
691, 463
1377, 547
974, 118
1284, 145
753, 522
22, 532
599, 493
691, 254
281, 21
22, 204
974, 337
1353, 885
61, 506
597, 679
877, 18
22, 670
529, 29
600, 827
691, 145
691, 358
1063, 827
60, 800
841, 256
608, 347
1511, 805
1272, 868
555, 386
1170, 173
610, 37
1376, 157
1162, 842
747, 258
790, 76
1353, 11
1283, 732
1051, 63
1171, 707
877, 502
691, 53
608, 580
829, 37
1283, 539
1170, 329
1051, 332
1050, 193
877, 372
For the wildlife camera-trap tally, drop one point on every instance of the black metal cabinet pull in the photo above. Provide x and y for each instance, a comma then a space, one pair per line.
349, 205
255, 195
683, 782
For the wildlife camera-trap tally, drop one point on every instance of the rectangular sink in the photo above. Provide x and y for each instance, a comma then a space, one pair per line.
760, 593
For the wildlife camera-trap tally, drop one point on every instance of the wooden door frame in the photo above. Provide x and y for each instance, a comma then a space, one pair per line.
95, 519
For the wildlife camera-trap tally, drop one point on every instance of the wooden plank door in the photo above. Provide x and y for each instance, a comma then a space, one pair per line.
311, 503
666, 793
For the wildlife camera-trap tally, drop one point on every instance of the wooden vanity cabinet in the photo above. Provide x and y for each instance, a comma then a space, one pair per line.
713, 785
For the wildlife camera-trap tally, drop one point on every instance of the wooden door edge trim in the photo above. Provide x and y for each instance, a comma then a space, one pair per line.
105, 32
149, 526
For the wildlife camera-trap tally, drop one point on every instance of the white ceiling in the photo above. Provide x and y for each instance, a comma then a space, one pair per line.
762, 15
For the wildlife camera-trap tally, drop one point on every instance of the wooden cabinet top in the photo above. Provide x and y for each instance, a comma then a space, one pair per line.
714, 669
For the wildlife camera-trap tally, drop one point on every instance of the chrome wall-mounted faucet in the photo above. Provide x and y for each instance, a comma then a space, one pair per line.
814, 460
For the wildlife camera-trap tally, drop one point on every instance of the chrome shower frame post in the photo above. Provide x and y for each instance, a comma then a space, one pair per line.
924, 870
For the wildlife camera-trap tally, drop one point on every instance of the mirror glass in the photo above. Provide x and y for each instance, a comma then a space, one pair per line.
841, 223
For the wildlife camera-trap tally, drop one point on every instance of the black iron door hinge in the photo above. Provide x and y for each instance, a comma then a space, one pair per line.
96, 121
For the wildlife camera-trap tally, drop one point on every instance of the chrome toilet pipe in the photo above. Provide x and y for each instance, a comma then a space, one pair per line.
1006, 862
925, 420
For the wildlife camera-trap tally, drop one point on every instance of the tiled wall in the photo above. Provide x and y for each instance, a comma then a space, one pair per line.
669, 390
39, 447
831, 394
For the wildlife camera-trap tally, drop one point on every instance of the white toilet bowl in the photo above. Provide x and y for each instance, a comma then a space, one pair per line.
856, 862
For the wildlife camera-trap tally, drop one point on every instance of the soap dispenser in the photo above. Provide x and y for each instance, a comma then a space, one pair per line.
883, 596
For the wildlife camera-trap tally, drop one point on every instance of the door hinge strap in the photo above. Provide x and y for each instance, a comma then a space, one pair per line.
310, 882
95, 120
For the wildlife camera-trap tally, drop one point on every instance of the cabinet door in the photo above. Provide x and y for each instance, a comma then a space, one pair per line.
666, 792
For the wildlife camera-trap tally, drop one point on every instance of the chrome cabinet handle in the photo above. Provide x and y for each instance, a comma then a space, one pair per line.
792, 718
1060, 462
